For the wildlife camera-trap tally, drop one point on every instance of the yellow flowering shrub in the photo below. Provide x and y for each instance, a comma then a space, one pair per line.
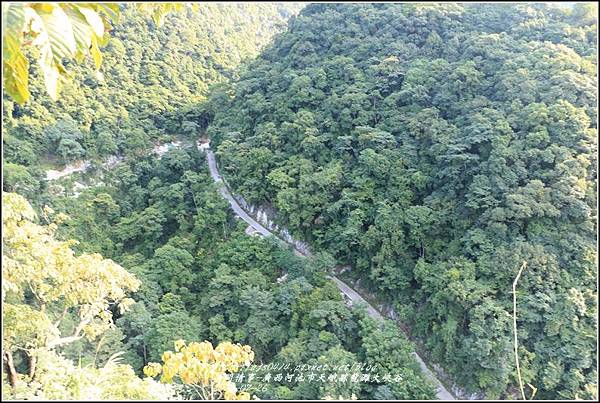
202, 369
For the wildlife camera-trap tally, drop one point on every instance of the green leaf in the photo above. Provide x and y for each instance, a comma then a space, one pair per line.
103, 40
56, 41
93, 19
15, 66
13, 18
96, 54
15, 71
82, 32
159, 11
58, 28
109, 10
158, 17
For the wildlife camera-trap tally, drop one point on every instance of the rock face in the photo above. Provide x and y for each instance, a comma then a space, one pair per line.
262, 214
110, 162
78, 166
251, 231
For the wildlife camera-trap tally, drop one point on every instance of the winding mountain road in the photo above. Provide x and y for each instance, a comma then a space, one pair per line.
441, 392
356, 299
214, 173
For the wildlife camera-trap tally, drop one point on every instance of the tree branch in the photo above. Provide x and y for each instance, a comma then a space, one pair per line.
32, 365
70, 339
514, 292
10, 368
62, 316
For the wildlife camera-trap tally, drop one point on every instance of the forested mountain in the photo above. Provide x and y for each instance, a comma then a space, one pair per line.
435, 148
203, 278
151, 77
149, 255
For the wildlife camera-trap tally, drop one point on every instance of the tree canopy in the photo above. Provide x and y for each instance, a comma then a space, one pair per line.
430, 148
435, 147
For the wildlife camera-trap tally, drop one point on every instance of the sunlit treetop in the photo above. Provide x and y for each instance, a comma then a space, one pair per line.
204, 370
55, 32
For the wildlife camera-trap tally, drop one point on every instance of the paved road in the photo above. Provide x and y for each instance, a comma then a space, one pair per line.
441, 392
356, 298
212, 165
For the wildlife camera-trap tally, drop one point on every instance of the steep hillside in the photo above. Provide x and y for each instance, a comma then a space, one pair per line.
151, 77
436, 148
150, 267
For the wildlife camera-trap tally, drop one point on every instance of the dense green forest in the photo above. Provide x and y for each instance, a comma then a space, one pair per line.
203, 278
158, 233
435, 148
151, 80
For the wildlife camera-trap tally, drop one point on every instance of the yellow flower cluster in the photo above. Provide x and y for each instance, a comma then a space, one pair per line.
204, 367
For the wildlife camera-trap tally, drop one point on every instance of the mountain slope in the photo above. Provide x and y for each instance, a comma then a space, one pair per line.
435, 148
151, 78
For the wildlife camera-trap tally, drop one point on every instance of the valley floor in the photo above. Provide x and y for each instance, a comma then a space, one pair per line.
441, 392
